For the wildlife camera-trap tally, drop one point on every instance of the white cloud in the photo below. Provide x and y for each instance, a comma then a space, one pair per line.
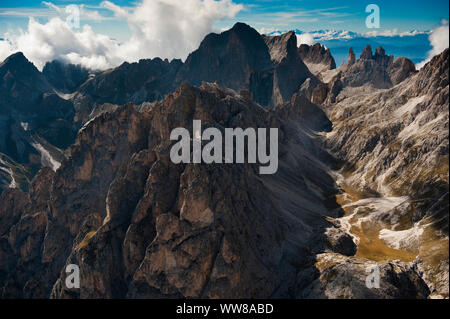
438, 40
56, 40
305, 38
171, 28
5, 50
269, 31
165, 28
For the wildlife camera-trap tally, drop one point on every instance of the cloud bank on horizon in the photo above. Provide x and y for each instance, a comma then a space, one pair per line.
439, 42
158, 28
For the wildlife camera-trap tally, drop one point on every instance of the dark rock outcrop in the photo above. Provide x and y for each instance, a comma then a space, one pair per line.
351, 57
290, 73
21, 85
317, 54
232, 58
366, 54
65, 77
145, 81
345, 278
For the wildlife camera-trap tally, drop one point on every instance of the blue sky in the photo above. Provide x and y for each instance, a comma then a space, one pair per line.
262, 14
348, 15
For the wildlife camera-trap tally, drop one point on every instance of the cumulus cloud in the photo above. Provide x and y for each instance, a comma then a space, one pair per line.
305, 38
56, 40
438, 41
171, 28
5, 49
165, 28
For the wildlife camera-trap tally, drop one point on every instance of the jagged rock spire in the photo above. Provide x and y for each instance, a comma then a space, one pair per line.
351, 56
367, 53
380, 51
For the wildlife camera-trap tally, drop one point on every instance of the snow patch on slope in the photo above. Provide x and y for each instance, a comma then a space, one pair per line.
8, 171
47, 159
410, 105
379, 206
402, 239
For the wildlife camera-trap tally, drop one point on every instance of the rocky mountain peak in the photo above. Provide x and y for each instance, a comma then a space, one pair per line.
366, 53
380, 51
34, 121
317, 54
244, 30
381, 58
21, 83
15, 59
282, 47
17, 67
379, 69
351, 57
229, 58
269, 67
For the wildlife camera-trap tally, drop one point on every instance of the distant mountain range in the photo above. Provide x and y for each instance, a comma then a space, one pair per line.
413, 44
326, 35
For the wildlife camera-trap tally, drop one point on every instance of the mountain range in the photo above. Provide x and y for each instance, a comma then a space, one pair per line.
412, 44
87, 179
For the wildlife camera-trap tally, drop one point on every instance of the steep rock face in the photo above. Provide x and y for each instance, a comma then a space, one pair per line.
351, 57
400, 69
433, 79
317, 54
21, 244
229, 58
310, 114
140, 226
409, 112
75, 197
290, 72
65, 77
21, 86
